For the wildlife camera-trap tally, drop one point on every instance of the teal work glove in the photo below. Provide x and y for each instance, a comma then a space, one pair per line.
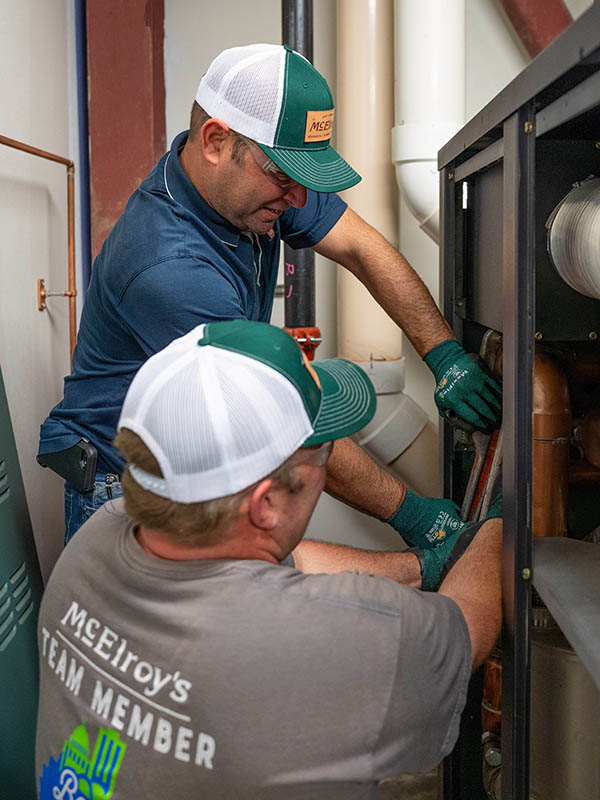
437, 561
463, 387
425, 521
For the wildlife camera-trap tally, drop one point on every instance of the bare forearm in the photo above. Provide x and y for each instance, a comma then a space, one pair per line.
326, 557
354, 478
389, 278
474, 583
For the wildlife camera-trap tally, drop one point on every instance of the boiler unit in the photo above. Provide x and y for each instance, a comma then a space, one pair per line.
520, 265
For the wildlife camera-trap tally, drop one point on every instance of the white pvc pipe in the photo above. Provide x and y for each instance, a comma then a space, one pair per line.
430, 98
364, 116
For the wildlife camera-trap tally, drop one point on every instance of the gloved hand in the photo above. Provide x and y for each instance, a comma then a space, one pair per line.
438, 560
463, 387
425, 521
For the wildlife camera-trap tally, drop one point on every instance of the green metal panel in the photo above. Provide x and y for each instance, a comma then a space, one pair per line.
20, 594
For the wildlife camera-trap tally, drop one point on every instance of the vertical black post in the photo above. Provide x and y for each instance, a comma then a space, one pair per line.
518, 355
451, 765
447, 271
299, 265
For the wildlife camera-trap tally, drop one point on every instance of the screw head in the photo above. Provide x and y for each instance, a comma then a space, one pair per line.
493, 757
528, 127
539, 336
592, 335
526, 574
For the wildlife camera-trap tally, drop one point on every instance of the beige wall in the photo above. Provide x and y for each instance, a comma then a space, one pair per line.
33, 240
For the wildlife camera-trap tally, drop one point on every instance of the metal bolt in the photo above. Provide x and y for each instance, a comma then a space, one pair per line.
597, 145
539, 336
526, 574
493, 756
593, 335
528, 127
450, 176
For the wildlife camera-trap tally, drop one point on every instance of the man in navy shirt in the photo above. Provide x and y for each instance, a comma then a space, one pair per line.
199, 242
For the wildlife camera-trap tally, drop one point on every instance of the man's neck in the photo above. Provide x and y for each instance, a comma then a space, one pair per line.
160, 545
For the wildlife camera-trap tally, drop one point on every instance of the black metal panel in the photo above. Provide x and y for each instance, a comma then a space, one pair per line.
562, 314
518, 352
461, 775
564, 118
448, 225
484, 289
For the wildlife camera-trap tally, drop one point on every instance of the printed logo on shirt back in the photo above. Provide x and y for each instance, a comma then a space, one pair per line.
76, 775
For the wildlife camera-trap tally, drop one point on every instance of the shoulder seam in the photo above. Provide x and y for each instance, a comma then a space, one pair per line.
154, 264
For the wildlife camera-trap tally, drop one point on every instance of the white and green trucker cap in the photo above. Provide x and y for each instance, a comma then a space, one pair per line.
273, 95
226, 404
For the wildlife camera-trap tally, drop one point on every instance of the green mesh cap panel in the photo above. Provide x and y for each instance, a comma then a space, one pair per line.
304, 90
306, 101
273, 347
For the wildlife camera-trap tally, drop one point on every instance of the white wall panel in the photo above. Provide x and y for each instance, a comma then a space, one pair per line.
34, 346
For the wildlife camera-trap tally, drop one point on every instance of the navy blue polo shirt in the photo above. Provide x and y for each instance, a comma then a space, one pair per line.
170, 263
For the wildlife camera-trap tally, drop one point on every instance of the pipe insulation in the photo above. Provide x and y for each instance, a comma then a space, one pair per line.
574, 238
429, 43
400, 434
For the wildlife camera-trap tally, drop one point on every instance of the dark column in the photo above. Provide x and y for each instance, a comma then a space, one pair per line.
297, 32
518, 353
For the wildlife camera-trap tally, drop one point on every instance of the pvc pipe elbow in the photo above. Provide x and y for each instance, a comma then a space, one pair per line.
398, 420
414, 153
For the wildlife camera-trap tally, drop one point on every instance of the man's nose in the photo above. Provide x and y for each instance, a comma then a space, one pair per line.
296, 195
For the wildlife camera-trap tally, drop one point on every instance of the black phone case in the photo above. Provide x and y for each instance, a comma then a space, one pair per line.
76, 464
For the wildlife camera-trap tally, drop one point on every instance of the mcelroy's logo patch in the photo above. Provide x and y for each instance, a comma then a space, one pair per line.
319, 125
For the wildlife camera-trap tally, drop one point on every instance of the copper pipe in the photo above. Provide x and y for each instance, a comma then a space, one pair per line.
71, 292
491, 704
551, 435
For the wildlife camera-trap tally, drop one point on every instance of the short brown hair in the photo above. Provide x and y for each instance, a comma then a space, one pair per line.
196, 524
197, 119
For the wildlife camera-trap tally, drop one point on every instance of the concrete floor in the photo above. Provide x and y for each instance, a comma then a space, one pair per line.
410, 787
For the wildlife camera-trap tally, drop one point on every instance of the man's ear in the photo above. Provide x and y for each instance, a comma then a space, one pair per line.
263, 505
215, 136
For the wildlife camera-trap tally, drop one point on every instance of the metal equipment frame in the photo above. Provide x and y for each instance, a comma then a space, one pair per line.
558, 91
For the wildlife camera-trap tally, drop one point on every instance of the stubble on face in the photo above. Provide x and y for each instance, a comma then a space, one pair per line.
248, 201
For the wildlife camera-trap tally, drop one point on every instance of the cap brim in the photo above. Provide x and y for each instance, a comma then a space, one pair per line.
320, 170
348, 400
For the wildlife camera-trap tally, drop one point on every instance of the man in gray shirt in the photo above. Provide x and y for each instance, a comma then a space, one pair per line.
192, 645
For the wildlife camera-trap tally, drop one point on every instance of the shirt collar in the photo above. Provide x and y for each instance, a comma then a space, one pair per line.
180, 188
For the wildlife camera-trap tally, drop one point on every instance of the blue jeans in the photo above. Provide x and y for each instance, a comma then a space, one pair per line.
79, 506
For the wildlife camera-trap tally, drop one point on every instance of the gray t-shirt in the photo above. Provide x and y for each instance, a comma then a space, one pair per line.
237, 679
